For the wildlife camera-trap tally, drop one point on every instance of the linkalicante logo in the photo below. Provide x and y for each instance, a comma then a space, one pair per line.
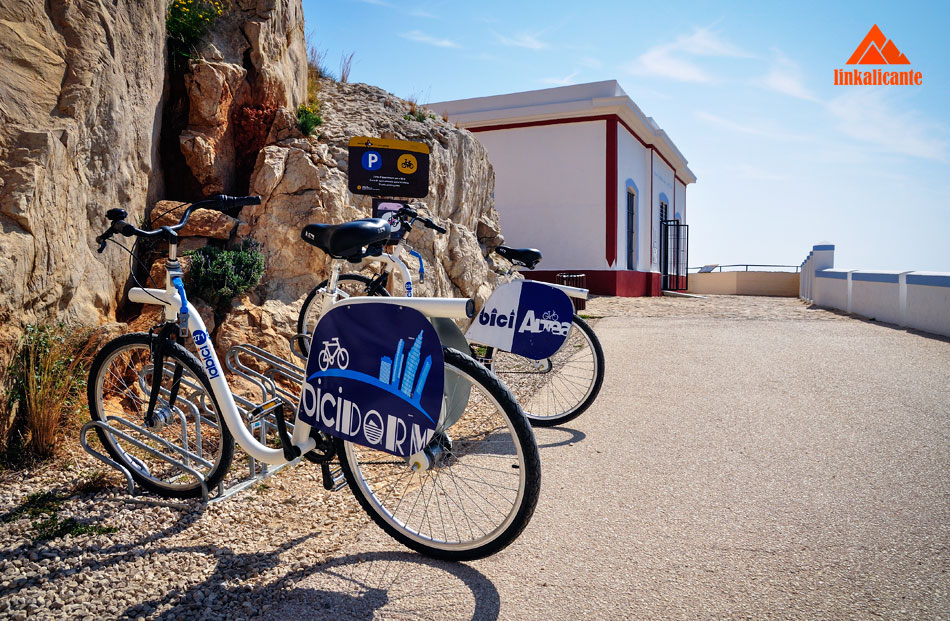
876, 49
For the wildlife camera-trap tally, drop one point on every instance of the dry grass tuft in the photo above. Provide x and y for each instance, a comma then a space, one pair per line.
43, 389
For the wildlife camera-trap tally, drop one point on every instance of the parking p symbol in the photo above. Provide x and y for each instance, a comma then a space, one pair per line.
372, 160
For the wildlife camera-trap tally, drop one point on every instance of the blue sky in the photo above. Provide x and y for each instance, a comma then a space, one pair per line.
784, 158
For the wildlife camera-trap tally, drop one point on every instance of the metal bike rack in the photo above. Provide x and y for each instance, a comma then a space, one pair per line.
261, 417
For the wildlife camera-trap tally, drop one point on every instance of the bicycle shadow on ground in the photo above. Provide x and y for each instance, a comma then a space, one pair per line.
551, 437
356, 586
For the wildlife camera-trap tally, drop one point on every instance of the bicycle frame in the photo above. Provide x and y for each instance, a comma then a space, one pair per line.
171, 299
394, 263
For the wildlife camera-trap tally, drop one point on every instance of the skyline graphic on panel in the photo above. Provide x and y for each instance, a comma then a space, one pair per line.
400, 371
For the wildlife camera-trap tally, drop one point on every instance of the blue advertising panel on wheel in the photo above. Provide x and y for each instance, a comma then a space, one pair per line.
375, 377
527, 318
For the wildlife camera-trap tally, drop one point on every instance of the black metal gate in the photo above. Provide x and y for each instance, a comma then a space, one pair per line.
674, 241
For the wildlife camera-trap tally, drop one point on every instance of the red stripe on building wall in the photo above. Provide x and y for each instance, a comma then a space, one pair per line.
580, 119
611, 201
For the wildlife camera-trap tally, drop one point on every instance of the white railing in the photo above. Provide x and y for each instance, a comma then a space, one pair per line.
917, 300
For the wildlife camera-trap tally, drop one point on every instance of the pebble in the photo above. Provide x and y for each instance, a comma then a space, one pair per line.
163, 561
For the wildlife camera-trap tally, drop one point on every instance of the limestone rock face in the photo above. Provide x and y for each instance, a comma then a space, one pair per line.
83, 88
80, 87
253, 63
305, 180
85, 100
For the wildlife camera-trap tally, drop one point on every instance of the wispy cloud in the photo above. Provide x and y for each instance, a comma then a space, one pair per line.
527, 40
677, 60
420, 37
564, 81
872, 116
376, 2
785, 76
770, 130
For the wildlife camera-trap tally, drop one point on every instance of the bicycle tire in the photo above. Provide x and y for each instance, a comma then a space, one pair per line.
562, 391
312, 306
119, 385
490, 457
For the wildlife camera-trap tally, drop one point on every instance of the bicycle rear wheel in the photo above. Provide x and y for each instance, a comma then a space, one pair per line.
558, 389
482, 488
192, 431
312, 309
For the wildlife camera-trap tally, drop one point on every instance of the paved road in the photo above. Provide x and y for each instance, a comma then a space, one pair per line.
731, 468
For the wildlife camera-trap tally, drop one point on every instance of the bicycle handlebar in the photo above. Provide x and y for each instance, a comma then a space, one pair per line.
120, 226
409, 216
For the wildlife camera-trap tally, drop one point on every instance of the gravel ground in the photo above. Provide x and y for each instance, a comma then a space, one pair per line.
747, 457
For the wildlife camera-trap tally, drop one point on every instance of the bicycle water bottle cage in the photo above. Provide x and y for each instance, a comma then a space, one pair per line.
347, 240
525, 257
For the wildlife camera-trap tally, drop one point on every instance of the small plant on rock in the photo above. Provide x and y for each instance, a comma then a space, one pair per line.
417, 113
218, 275
308, 118
187, 21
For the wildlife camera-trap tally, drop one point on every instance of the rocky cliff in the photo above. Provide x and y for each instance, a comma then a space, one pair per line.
93, 116
80, 93
304, 180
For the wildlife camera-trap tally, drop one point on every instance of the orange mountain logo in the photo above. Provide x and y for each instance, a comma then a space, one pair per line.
876, 49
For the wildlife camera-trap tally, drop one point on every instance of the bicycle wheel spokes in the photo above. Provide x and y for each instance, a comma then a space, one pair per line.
559, 388
188, 431
472, 500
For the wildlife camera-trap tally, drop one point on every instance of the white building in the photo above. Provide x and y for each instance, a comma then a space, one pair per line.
583, 175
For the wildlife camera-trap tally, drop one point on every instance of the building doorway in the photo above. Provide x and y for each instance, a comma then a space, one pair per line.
631, 229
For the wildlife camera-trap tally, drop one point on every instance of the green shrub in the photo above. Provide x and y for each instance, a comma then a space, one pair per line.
187, 21
44, 387
308, 118
218, 275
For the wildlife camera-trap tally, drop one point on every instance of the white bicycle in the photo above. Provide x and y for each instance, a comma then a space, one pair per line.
168, 417
551, 391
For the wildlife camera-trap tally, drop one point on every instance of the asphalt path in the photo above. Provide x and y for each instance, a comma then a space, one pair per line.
731, 468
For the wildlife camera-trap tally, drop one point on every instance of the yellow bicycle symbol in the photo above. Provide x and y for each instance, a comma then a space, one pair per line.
406, 164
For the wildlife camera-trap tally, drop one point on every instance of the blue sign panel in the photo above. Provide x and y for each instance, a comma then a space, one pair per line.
531, 319
374, 377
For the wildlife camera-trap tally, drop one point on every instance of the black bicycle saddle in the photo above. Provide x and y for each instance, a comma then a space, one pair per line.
527, 257
347, 240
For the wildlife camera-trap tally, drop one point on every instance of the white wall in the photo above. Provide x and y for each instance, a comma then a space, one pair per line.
927, 303
917, 300
876, 295
550, 192
633, 164
831, 287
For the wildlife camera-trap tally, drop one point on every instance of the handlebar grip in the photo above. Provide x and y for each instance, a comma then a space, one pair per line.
435, 227
225, 201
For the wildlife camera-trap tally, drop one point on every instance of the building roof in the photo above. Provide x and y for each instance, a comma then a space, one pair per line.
564, 102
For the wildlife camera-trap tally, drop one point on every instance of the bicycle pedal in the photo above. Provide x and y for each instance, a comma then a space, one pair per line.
333, 479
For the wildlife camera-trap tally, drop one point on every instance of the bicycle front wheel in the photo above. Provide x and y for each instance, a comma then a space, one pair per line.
560, 388
190, 431
347, 285
480, 490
